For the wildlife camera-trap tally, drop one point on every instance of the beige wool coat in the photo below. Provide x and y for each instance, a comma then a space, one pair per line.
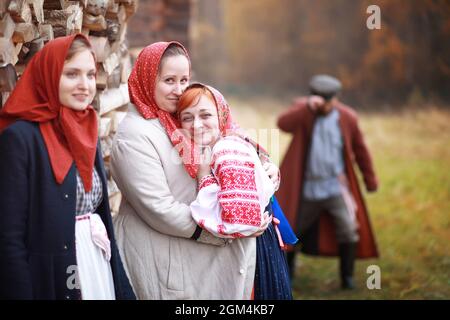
154, 224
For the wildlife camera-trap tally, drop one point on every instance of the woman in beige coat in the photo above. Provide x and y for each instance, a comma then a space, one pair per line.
166, 255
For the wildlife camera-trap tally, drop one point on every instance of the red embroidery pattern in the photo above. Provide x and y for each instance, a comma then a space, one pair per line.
227, 152
232, 178
241, 212
223, 164
238, 194
233, 195
206, 181
222, 230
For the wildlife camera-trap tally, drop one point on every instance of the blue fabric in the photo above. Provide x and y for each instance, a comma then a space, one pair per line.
325, 160
272, 280
287, 234
37, 221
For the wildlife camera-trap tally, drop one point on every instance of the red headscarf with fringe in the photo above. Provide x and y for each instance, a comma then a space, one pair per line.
69, 135
141, 88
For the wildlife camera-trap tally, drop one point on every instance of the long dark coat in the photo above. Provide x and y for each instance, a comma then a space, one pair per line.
320, 238
37, 221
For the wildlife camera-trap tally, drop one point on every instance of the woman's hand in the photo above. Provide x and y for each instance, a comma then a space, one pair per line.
204, 167
264, 224
273, 172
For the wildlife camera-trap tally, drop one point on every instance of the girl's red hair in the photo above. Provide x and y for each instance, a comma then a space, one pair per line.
191, 96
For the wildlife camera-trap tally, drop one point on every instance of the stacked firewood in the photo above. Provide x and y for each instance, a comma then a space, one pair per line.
26, 25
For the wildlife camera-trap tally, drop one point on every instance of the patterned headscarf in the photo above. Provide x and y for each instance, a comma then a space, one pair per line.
141, 88
69, 135
227, 126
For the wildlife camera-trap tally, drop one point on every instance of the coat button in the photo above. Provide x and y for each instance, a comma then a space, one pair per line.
66, 196
67, 297
241, 271
65, 247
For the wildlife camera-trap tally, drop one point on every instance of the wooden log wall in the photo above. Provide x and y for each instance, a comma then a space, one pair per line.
26, 25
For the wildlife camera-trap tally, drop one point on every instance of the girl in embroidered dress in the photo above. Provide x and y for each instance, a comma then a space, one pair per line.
234, 190
56, 233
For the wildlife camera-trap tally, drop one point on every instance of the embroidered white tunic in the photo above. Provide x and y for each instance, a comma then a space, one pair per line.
231, 202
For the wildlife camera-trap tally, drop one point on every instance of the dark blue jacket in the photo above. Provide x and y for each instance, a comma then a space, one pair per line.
37, 221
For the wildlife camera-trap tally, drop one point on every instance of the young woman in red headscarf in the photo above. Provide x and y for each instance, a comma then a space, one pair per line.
167, 255
234, 189
56, 233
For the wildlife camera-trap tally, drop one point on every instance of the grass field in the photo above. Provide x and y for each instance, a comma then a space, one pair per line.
410, 213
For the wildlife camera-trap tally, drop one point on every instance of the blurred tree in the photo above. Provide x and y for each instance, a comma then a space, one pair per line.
278, 45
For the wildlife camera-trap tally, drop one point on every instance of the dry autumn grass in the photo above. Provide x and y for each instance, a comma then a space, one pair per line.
410, 213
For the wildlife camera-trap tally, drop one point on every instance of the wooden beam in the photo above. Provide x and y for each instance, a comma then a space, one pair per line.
46, 32
125, 68
106, 144
20, 68
7, 51
4, 6
4, 96
18, 48
94, 23
102, 77
105, 127
111, 99
60, 4
7, 26
58, 20
75, 19
97, 7
8, 78
20, 11
113, 80
65, 22
25, 32
112, 187
122, 15
111, 32
111, 63
52, 5
101, 47
29, 49
116, 117
112, 10
22, 50
114, 203
131, 8
38, 9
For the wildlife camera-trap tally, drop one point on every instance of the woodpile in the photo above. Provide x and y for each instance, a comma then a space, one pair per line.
26, 25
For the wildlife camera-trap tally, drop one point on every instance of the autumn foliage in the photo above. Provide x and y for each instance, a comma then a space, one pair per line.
277, 45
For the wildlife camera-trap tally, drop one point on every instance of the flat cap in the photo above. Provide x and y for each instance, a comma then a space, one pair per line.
325, 86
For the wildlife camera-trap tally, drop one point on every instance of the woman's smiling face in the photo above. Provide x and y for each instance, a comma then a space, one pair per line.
201, 121
77, 84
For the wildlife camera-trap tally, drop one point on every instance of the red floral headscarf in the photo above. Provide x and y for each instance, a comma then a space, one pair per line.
69, 135
227, 126
141, 88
